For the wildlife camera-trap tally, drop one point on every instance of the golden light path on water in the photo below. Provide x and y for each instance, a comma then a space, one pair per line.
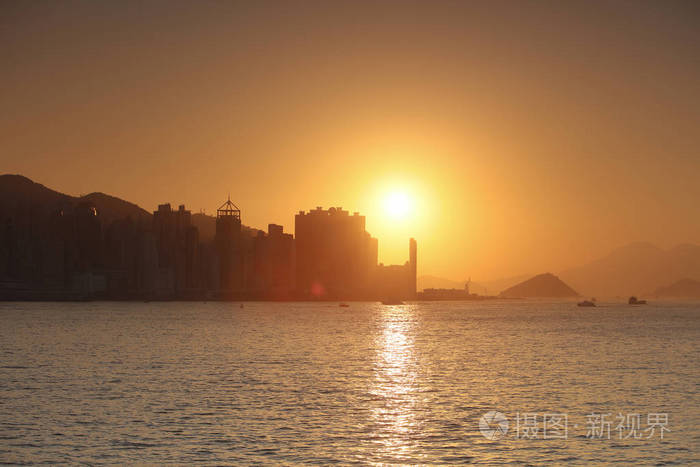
396, 384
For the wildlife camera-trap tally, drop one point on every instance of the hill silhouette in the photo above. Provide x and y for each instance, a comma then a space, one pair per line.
112, 208
634, 269
20, 194
684, 288
541, 286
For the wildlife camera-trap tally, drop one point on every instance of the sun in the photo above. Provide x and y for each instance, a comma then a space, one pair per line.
398, 205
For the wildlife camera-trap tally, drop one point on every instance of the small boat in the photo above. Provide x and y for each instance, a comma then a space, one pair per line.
392, 302
633, 301
343, 305
586, 303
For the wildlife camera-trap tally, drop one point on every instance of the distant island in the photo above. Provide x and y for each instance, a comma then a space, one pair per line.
633, 269
541, 286
684, 288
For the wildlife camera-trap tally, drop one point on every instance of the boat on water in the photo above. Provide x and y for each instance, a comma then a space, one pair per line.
586, 303
343, 305
633, 301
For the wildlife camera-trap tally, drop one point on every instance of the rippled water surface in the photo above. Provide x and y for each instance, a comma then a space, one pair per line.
284, 383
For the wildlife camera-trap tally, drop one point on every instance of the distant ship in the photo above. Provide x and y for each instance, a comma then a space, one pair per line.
633, 301
343, 305
587, 303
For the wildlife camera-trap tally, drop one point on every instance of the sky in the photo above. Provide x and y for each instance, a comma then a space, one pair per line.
521, 137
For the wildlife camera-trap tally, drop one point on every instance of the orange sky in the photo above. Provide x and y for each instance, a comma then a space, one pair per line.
533, 136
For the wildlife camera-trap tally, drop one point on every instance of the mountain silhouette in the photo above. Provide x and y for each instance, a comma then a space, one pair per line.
684, 288
634, 269
20, 194
541, 286
112, 208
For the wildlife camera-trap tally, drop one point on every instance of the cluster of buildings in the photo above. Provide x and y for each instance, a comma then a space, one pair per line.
76, 255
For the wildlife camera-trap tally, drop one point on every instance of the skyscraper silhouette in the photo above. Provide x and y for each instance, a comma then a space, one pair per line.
229, 249
335, 255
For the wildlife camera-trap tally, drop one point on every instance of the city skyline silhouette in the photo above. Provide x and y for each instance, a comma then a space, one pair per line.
54, 247
529, 137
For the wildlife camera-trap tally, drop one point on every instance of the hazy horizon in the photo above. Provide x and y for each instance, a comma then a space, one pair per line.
525, 136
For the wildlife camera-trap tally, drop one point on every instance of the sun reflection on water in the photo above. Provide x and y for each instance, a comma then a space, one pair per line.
394, 413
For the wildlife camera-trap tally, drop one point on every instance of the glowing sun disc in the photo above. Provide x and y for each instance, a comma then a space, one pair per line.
397, 205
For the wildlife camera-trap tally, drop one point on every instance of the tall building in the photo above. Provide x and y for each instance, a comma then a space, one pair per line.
272, 274
229, 249
177, 242
77, 234
413, 267
333, 254
88, 236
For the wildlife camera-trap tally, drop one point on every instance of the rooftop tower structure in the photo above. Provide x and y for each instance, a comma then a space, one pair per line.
228, 246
